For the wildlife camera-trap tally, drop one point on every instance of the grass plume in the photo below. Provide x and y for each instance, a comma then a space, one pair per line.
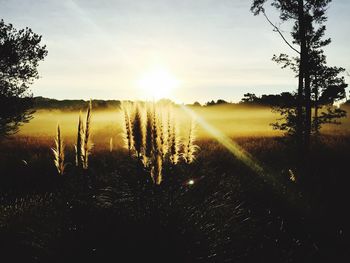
58, 152
87, 146
137, 131
79, 147
83, 146
174, 145
155, 140
189, 147
162, 137
127, 128
156, 171
156, 146
148, 143
111, 144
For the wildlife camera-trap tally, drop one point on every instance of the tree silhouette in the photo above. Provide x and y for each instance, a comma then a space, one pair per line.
250, 98
20, 53
327, 87
314, 76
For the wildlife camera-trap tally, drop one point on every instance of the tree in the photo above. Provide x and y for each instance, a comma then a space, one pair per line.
315, 79
327, 87
196, 104
20, 53
249, 98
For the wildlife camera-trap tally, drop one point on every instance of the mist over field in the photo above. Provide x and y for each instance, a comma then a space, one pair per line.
231, 120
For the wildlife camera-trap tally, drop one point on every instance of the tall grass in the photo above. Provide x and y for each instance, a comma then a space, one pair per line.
84, 145
127, 128
111, 144
58, 152
137, 131
87, 138
157, 161
156, 171
162, 137
173, 142
79, 147
154, 141
148, 143
189, 147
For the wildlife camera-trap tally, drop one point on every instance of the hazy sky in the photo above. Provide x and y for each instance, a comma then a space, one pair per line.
215, 48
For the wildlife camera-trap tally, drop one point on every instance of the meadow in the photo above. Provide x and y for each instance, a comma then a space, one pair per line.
216, 208
232, 120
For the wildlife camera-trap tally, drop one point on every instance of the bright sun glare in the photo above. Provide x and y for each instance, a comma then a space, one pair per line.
157, 84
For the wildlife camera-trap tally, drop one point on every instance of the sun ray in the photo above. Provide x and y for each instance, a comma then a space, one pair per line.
227, 142
243, 156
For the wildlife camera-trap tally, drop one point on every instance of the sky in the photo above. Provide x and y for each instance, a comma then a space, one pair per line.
214, 49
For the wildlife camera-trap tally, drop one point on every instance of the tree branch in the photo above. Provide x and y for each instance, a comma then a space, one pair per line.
279, 32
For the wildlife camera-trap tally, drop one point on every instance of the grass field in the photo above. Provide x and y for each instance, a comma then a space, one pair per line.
232, 120
230, 213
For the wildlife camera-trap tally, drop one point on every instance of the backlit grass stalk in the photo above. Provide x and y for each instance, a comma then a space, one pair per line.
174, 143
155, 134
84, 145
157, 158
111, 144
162, 138
58, 152
169, 129
189, 147
79, 147
148, 142
127, 129
87, 138
156, 171
137, 131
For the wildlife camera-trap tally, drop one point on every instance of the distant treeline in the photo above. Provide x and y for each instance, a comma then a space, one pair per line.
73, 105
284, 99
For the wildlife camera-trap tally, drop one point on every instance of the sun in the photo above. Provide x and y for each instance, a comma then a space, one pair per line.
157, 83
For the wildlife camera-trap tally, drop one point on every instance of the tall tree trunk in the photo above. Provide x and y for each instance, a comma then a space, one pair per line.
316, 110
300, 98
308, 115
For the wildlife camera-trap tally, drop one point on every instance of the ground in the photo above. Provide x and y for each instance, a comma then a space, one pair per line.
229, 214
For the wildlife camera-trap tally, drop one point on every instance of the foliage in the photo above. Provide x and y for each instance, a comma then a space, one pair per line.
41, 103
285, 98
212, 103
320, 86
20, 53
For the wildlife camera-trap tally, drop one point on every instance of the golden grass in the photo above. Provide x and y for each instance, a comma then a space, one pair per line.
87, 146
58, 152
155, 141
189, 147
234, 122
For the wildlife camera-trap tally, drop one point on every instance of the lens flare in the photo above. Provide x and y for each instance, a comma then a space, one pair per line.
157, 84
227, 142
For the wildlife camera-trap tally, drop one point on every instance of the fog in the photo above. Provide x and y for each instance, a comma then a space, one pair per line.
234, 121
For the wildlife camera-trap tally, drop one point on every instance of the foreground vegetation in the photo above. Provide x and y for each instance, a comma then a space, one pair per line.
213, 210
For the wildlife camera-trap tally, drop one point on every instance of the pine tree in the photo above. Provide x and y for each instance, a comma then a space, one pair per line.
314, 76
